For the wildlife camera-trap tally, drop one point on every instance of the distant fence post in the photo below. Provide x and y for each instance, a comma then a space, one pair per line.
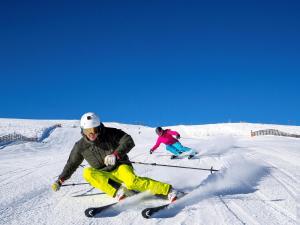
273, 132
6, 139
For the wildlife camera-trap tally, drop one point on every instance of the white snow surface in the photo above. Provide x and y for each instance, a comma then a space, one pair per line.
258, 181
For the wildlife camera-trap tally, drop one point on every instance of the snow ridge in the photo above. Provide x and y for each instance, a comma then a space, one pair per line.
16, 138
258, 181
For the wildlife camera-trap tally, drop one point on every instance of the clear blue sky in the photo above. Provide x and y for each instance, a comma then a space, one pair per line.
155, 62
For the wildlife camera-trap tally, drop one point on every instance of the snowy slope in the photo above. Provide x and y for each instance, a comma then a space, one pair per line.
258, 181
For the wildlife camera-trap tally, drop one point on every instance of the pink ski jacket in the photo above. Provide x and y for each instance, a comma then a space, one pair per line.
167, 138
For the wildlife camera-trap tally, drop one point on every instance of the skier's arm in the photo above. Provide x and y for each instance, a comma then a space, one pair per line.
125, 144
75, 159
172, 132
158, 142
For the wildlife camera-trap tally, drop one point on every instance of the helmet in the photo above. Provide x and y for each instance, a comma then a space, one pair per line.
158, 130
89, 120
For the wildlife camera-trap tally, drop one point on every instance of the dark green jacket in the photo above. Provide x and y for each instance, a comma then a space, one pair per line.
109, 140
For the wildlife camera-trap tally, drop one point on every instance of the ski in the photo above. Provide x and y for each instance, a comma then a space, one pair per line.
92, 211
86, 195
148, 212
189, 156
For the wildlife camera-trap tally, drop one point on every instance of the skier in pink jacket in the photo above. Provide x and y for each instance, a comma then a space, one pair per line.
172, 144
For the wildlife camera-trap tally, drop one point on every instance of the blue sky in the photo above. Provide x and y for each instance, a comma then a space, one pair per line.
152, 62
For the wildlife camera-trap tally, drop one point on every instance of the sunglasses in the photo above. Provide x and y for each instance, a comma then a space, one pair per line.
88, 131
160, 133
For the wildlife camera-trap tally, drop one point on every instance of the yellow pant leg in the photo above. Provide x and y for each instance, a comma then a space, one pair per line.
126, 174
99, 179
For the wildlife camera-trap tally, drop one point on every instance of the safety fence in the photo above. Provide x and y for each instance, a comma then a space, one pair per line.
273, 132
16, 137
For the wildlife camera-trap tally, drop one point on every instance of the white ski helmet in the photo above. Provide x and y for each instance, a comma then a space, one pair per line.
89, 120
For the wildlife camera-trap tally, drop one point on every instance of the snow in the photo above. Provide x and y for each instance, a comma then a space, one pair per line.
258, 180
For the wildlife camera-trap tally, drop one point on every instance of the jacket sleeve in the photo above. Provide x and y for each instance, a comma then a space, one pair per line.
172, 132
158, 142
75, 159
125, 144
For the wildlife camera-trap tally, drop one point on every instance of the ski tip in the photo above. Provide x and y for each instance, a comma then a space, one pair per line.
146, 213
89, 212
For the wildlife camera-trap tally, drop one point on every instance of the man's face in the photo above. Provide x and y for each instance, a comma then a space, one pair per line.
91, 133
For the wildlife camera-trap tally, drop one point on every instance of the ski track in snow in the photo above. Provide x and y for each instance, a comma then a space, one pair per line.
258, 181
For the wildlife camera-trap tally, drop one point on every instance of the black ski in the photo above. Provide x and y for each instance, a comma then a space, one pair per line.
148, 212
91, 212
190, 156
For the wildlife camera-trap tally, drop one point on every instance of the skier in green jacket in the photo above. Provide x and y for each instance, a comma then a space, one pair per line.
105, 149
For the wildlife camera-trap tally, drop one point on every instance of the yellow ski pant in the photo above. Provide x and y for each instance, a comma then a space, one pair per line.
123, 174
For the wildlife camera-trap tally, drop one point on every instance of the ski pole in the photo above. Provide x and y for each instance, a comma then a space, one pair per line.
184, 167
73, 184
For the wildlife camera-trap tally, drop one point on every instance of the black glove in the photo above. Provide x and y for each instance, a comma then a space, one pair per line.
178, 136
